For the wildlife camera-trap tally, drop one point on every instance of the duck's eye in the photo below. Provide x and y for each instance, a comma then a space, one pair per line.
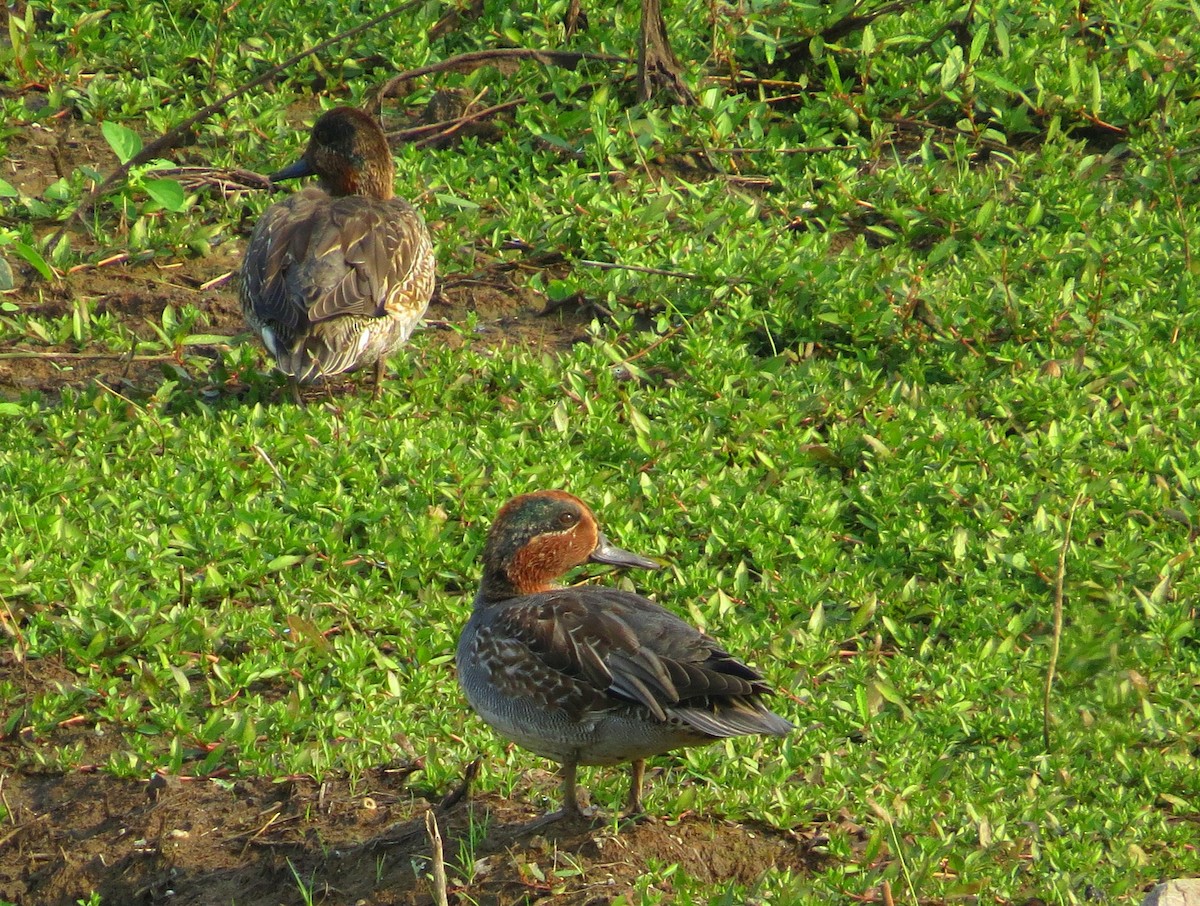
567, 519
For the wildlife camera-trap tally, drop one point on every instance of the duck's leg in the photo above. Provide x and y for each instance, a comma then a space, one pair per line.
570, 797
637, 773
294, 387
380, 371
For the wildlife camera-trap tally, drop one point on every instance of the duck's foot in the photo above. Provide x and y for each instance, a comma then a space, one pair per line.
570, 798
463, 790
571, 811
562, 816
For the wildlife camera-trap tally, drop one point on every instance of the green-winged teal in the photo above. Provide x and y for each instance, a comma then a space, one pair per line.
592, 675
337, 276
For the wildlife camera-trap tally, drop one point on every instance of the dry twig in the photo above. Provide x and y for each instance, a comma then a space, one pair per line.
469, 62
439, 861
224, 179
1056, 637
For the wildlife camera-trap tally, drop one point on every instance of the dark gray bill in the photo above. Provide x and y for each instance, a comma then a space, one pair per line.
607, 552
295, 171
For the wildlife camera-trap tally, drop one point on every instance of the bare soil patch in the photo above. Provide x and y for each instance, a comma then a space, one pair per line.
137, 294
259, 842
262, 842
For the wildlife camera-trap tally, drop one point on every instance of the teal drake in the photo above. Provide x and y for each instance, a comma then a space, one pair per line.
592, 675
336, 276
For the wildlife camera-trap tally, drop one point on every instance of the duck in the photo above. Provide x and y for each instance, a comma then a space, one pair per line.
337, 275
590, 674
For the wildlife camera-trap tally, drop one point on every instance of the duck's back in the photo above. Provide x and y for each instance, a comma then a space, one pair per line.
332, 284
605, 674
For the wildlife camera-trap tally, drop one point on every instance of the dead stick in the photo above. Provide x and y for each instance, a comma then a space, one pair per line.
614, 266
803, 149
435, 132
267, 459
657, 271
86, 356
904, 124
165, 142
439, 863
479, 58
1056, 637
678, 328
446, 128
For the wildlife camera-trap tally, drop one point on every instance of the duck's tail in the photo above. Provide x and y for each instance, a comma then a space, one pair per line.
312, 356
737, 716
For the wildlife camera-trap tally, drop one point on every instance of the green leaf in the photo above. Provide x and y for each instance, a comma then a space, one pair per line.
1000, 82
462, 204
868, 41
308, 631
168, 193
888, 691
978, 42
284, 561
952, 68
640, 423
10, 409
59, 190
124, 141
34, 258
943, 250
7, 190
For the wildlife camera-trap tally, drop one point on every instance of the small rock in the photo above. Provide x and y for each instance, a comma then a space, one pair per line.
1181, 892
158, 783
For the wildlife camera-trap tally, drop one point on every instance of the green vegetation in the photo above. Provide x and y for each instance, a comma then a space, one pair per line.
933, 280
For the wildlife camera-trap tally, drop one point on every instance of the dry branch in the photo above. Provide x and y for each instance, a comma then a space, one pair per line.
432, 133
439, 861
477, 59
453, 20
1056, 637
799, 52
658, 67
905, 124
223, 179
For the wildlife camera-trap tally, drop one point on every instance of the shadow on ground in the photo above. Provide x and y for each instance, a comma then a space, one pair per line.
257, 842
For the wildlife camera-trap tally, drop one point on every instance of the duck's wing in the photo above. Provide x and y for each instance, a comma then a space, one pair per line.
367, 258
625, 648
277, 244
312, 258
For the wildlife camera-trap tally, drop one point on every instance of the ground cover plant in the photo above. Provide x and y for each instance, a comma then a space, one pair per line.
882, 342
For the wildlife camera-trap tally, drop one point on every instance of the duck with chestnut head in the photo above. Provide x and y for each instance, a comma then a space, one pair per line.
592, 675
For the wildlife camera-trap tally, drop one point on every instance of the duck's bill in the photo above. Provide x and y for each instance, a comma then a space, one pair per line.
607, 552
295, 171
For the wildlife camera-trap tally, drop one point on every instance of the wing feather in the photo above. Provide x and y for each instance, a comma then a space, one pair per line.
629, 650
313, 260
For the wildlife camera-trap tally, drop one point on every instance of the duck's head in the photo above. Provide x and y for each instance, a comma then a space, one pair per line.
537, 538
349, 153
